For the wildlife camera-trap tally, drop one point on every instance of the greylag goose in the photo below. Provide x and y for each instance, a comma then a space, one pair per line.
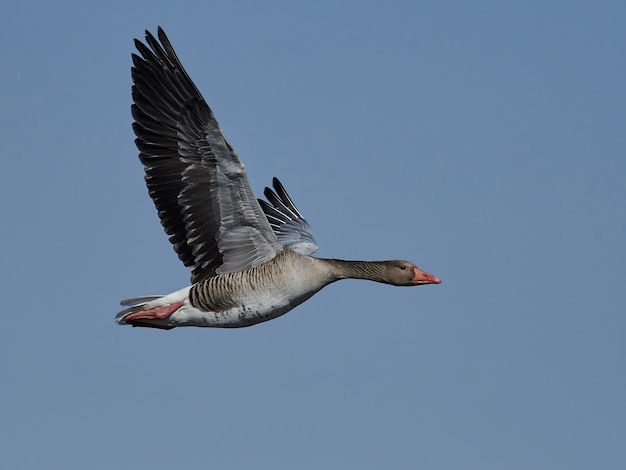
250, 259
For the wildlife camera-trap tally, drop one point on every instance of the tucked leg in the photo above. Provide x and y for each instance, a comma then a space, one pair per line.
158, 313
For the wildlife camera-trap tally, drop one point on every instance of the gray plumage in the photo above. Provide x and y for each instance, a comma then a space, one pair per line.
249, 258
289, 225
194, 177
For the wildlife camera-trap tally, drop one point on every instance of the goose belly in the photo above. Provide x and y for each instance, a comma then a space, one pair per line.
245, 298
249, 311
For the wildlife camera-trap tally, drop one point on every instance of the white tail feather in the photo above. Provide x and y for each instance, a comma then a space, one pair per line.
139, 300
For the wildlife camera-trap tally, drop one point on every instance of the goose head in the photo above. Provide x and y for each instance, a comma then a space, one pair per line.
405, 273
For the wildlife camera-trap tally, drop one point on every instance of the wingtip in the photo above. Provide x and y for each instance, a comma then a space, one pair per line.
162, 36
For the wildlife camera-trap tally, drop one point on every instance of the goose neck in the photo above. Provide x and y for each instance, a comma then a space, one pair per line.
345, 269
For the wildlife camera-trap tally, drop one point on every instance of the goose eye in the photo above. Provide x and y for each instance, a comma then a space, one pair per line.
402, 266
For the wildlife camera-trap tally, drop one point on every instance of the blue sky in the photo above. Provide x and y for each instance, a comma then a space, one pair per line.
485, 141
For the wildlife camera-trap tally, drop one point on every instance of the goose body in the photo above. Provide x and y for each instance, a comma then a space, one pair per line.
250, 258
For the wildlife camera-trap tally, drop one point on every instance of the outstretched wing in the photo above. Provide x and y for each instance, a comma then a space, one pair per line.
290, 227
194, 177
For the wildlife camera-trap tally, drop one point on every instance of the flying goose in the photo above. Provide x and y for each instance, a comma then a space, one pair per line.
250, 259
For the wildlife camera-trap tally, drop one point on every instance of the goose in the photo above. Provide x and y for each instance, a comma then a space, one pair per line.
250, 259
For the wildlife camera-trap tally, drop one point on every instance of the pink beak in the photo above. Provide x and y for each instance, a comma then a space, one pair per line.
422, 277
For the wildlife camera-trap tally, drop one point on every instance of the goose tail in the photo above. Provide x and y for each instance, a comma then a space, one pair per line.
151, 311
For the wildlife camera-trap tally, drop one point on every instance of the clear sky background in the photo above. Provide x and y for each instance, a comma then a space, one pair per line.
485, 141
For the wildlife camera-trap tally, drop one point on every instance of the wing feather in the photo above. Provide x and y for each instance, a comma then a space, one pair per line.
196, 180
290, 227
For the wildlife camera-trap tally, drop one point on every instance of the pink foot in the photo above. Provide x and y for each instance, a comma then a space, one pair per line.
158, 313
